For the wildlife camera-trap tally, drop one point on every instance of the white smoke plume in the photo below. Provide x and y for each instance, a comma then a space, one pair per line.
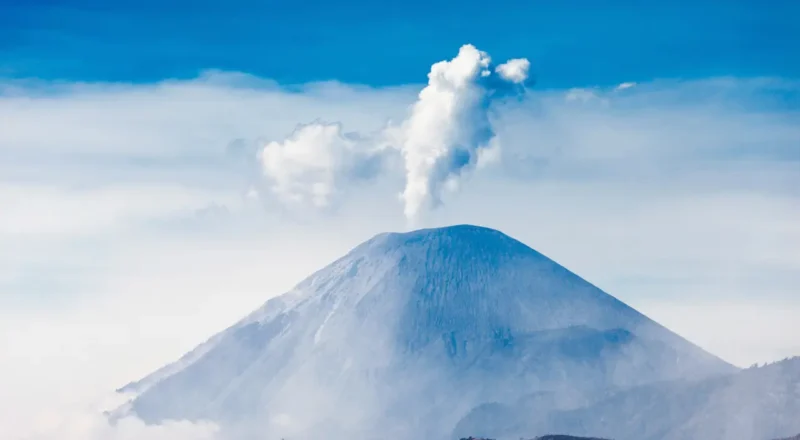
447, 133
449, 124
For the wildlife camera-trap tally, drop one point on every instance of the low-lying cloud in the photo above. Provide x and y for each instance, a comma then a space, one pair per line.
95, 426
91, 421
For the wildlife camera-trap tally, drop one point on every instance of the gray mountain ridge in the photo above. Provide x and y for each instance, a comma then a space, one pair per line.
409, 333
758, 403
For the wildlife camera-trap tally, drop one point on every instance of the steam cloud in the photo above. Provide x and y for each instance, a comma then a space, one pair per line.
447, 133
449, 124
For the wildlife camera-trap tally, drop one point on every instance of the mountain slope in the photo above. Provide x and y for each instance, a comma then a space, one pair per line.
408, 332
754, 404
757, 403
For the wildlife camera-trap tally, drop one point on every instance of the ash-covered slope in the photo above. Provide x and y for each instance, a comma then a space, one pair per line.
408, 332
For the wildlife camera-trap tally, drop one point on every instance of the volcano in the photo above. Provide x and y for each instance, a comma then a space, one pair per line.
408, 333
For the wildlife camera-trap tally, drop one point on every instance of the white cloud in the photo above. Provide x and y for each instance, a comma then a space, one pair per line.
773, 319
52, 210
91, 426
88, 420
174, 119
315, 159
595, 94
515, 71
625, 85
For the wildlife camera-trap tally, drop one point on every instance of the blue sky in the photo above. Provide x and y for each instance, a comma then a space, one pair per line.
571, 43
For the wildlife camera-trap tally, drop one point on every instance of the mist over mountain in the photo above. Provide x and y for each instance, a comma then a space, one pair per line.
421, 334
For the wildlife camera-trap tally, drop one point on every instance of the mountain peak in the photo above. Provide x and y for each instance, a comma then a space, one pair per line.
461, 232
460, 244
459, 315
